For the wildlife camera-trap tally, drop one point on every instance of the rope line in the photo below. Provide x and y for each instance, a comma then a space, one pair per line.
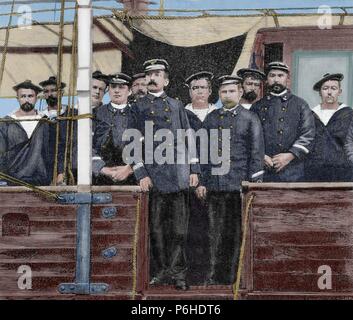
70, 127
29, 186
44, 119
134, 253
59, 89
6, 43
236, 285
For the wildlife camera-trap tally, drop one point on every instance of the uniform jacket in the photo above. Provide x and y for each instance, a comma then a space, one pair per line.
165, 113
246, 149
328, 161
108, 141
288, 126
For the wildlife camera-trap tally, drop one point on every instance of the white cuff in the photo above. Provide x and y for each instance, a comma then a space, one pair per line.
137, 166
259, 173
301, 147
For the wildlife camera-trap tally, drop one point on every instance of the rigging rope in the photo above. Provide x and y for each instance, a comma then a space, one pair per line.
134, 252
70, 127
59, 89
29, 186
236, 285
6, 43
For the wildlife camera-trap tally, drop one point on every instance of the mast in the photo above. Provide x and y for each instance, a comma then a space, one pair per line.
84, 152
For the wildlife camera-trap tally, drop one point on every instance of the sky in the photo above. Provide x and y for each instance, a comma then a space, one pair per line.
7, 105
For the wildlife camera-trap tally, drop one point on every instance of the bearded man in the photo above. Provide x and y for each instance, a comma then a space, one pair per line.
24, 140
288, 125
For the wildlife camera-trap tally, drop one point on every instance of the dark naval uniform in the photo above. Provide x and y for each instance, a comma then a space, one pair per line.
288, 126
246, 154
327, 161
27, 159
108, 141
168, 215
197, 244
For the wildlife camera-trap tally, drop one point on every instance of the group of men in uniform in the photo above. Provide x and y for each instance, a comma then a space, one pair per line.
195, 206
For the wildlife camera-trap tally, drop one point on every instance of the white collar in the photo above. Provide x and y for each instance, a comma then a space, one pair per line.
29, 117
279, 94
156, 94
118, 106
210, 107
230, 110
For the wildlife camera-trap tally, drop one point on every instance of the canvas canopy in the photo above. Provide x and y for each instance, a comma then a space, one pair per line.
32, 53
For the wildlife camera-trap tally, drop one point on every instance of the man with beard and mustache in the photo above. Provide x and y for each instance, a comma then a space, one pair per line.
200, 89
328, 162
222, 191
168, 182
50, 93
252, 80
109, 167
288, 125
24, 145
139, 86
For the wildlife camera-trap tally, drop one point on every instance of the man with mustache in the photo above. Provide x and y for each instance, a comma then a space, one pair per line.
51, 96
200, 89
288, 125
252, 80
168, 183
111, 121
139, 86
222, 191
328, 162
24, 140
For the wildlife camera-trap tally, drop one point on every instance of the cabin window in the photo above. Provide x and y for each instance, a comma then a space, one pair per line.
273, 52
15, 224
309, 66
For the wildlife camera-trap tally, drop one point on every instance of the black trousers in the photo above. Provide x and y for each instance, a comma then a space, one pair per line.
224, 213
197, 250
168, 222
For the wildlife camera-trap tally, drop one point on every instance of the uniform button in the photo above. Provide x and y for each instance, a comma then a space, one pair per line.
152, 112
219, 139
279, 144
221, 117
219, 150
283, 109
231, 127
233, 115
168, 120
263, 119
280, 131
166, 109
281, 119
220, 128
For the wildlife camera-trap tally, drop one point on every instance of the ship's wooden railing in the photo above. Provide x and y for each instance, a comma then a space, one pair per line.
299, 242
41, 233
